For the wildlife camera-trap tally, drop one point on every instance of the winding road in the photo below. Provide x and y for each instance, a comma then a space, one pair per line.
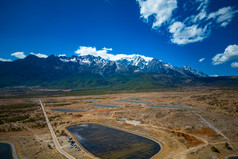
56, 142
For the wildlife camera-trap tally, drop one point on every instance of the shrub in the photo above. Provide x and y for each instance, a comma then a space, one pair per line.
214, 149
228, 146
18, 118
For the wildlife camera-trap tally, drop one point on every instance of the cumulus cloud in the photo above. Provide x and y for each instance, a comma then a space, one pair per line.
182, 34
185, 30
39, 55
230, 54
19, 55
84, 50
5, 60
201, 60
234, 64
161, 10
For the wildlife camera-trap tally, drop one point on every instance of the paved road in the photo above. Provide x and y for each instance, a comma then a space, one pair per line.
56, 142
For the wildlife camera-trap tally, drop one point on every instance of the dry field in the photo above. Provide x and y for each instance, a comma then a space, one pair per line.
207, 130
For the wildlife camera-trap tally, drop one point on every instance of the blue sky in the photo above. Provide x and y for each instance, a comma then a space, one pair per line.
181, 32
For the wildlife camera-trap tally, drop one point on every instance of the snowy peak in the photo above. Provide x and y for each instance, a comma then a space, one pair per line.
138, 61
194, 72
135, 60
83, 60
128, 64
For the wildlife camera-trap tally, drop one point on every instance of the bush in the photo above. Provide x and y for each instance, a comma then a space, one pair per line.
18, 118
214, 149
62, 104
228, 146
38, 125
15, 129
18, 106
62, 131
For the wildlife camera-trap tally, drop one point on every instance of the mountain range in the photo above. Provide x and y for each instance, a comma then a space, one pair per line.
134, 64
84, 72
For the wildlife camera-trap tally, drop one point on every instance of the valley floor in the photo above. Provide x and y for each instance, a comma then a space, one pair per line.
207, 130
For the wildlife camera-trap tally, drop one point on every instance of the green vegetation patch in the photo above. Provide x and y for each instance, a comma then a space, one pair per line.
38, 125
61, 104
17, 118
17, 106
33, 120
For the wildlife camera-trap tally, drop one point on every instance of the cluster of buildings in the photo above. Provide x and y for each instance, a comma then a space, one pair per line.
132, 122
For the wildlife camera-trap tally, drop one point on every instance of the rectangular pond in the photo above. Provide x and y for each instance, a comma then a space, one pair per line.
27, 100
5, 151
105, 142
132, 101
102, 105
168, 106
69, 110
52, 100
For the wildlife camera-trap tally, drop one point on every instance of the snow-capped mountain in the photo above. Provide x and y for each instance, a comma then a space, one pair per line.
131, 64
125, 72
87, 71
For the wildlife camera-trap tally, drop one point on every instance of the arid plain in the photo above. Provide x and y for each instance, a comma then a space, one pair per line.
205, 127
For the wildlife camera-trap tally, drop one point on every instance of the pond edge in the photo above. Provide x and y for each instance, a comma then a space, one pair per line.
13, 147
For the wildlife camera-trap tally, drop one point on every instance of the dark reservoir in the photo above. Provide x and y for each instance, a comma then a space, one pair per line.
5, 151
105, 142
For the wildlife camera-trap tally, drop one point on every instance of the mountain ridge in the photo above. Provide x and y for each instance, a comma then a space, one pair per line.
84, 72
137, 63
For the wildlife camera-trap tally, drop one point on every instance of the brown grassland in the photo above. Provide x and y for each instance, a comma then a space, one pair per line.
183, 133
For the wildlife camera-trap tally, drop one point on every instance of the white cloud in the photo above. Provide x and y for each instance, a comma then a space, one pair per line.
19, 55
201, 60
107, 49
61, 55
161, 10
203, 4
234, 64
230, 54
39, 55
84, 50
185, 30
182, 34
214, 75
223, 16
5, 60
